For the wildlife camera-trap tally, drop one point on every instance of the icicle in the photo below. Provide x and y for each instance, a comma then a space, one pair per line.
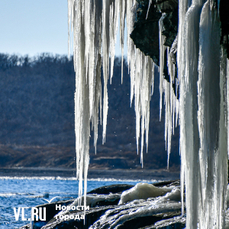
171, 104
85, 21
205, 180
203, 141
130, 17
189, 130
227, 74
221, 159
168, 121
150, 89
105, 48
183, 5
122, 5
137, 88
150, 2
211, 123
162, 57
142, 85
113, 33
94, 24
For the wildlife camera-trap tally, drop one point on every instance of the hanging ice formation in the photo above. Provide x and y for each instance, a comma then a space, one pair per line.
203, 141
202, 108
94, 25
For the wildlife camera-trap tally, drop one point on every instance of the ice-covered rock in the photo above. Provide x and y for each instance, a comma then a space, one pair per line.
142, 191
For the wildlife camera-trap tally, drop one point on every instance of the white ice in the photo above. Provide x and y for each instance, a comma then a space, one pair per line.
202, 108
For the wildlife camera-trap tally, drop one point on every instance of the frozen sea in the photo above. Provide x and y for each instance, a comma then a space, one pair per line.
28, 192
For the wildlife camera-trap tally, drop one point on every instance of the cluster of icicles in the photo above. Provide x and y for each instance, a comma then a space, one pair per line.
202, 108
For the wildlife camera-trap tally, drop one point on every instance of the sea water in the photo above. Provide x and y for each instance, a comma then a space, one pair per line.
28, 192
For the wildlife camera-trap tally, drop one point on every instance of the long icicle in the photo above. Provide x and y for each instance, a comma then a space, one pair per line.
188, 98
210, 119
94, 27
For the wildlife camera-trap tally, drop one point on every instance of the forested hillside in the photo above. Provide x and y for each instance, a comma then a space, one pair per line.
37, 118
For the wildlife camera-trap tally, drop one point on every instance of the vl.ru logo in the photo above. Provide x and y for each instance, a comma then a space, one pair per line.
36, 213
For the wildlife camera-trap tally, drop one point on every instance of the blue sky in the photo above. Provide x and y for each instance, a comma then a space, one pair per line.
34, 26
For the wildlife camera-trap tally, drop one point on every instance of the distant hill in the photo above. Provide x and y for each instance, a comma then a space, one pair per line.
37, 118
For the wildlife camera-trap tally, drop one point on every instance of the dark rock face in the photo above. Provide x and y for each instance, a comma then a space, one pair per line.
145, 33
104, 211
111, 189
224, 18
174, 223
170, 22
99, 207
66, 222
146, 30
51, 208
137, 221
166, 6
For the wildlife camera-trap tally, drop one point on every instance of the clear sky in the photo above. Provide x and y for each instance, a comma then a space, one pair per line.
34, 26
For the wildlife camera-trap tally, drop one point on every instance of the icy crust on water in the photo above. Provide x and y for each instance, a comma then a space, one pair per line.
202, 110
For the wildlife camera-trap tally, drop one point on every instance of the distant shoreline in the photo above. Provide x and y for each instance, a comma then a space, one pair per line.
122, 174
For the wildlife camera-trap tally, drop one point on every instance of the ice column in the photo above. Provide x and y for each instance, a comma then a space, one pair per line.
189, 138
211, 123
93, 25
203, 140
